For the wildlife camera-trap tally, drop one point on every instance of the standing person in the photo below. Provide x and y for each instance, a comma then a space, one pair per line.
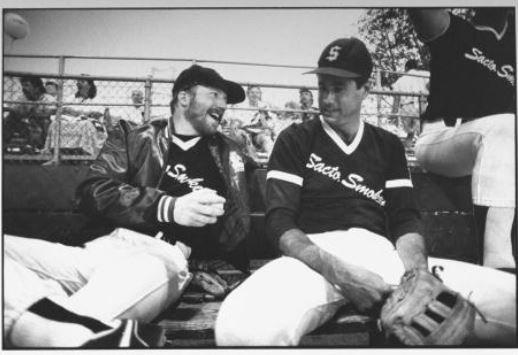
415, 82
469, 124
334, 185
306, 103
178, 177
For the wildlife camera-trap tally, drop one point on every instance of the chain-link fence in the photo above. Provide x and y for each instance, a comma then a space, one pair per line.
74, 123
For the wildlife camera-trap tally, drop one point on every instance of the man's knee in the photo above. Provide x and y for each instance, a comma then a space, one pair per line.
240, 324
170, 257
156, 265
163, 284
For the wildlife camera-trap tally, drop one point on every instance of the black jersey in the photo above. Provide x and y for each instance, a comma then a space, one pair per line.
317, 183
472, 72
191, 167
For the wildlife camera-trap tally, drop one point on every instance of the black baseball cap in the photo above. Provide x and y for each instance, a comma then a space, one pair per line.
345, 57
198, 75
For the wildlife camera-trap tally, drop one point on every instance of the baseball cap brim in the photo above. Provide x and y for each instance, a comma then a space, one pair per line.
334, 72
234, 91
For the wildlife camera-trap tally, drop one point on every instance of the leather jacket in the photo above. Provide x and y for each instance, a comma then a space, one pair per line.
121, 184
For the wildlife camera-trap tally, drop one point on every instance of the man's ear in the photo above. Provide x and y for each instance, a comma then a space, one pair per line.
184, 98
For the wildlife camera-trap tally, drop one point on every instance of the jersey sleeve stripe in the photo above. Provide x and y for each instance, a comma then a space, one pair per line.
160, 209
167, 205
280, 175
390, 184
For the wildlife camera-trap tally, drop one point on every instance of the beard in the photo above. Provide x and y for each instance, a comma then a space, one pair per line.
204, 121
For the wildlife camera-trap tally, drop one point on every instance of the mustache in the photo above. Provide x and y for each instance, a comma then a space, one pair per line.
216, 113
326, 108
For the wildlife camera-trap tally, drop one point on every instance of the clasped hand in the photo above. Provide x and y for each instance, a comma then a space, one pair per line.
365, 289
198, 208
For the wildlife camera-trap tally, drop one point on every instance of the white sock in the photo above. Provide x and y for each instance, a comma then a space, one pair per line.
498, 252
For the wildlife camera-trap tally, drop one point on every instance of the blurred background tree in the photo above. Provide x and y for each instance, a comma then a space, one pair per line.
391, 37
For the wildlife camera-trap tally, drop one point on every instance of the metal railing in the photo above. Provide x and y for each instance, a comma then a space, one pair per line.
383, 108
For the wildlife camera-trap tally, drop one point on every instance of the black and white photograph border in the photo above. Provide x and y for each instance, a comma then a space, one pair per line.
106, 70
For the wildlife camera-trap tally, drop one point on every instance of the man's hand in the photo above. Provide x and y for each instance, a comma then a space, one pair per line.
365, 289
411, 248
198, 208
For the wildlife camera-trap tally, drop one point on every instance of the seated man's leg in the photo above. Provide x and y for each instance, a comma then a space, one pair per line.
286, 299
441, 150
276, 306
70, 266
123, 275
494, 185
139, 277
494, 294
26, 295
481, 148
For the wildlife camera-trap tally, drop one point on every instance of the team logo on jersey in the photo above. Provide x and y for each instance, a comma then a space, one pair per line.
178, 173
504, 71
333, 53
351, 181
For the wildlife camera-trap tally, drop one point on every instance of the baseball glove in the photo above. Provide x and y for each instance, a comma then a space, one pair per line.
422, 311
210, 282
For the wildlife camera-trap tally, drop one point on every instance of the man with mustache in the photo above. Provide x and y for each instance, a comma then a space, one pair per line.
175, 176
341, 210
178, 180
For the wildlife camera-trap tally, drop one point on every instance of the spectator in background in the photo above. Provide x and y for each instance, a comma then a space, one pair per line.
306, 103
410, 105
232, 128
82, 128
253, 101
133, 114
286, 119
255, 122
85, 94
51, 87
29, 121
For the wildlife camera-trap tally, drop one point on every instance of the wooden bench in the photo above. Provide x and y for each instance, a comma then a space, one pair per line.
189, 324
192, 325
44, 195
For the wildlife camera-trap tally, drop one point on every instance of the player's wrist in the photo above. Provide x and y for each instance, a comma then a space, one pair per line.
165, 209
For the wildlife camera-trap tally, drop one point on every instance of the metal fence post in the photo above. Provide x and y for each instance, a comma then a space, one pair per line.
57, 134
420, 98
378, 97
147, 99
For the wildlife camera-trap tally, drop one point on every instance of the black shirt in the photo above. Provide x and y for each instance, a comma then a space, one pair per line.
317, 183
191, 167
472, 72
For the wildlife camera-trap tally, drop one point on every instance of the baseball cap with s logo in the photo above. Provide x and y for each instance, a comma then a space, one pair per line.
345, 57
